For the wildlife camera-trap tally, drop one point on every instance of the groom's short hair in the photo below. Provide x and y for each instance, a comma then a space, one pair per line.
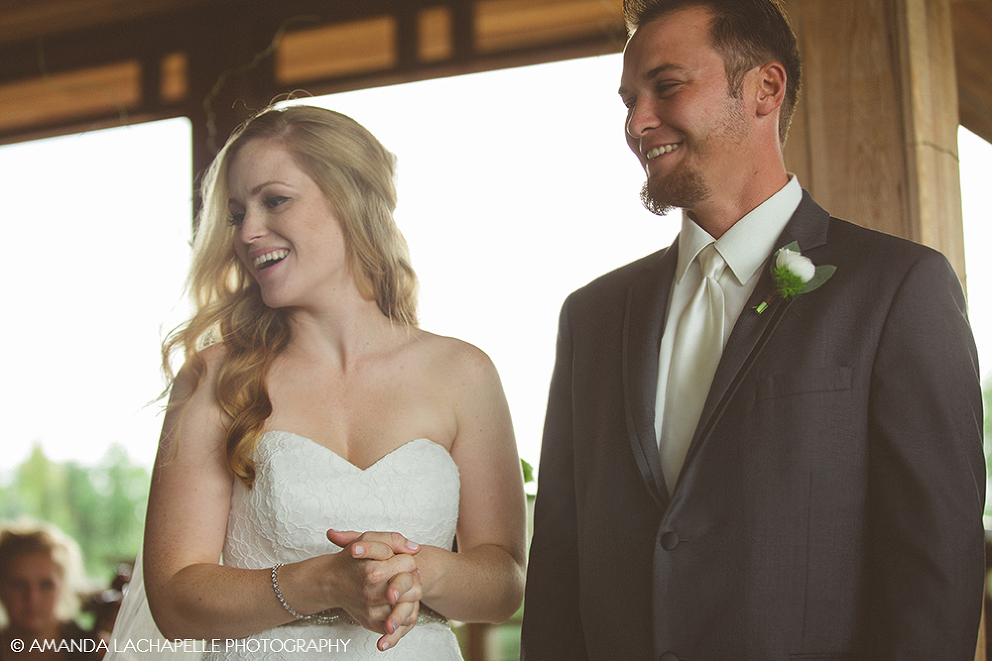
746, 33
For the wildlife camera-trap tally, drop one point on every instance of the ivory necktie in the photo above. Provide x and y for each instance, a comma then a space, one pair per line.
695, 355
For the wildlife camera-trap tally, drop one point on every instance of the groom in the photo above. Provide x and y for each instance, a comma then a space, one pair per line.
731, 470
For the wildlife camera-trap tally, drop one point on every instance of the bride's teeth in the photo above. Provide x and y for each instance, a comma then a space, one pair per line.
273, 256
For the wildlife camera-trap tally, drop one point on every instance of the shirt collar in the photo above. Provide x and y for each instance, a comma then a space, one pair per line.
750, 240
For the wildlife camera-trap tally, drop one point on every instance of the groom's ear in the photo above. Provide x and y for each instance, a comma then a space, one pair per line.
769, 88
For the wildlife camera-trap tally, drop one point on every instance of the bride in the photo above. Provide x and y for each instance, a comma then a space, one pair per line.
329, 449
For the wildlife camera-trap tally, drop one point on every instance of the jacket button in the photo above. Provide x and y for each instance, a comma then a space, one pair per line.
668, 656
668, 542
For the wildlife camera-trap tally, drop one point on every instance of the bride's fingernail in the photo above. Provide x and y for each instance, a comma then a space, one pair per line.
359, 549
384, 645
413, 546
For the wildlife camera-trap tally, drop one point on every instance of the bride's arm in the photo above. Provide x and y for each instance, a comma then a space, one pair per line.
484, 580
190, 594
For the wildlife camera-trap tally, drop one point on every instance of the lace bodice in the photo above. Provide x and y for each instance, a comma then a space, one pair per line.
301, 489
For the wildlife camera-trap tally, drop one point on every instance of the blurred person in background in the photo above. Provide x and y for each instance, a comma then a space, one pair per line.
39, 565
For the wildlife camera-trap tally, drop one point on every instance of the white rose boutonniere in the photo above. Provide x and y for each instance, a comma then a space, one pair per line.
794, 274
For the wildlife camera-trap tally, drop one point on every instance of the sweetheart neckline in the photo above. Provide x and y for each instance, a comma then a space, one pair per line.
355, 466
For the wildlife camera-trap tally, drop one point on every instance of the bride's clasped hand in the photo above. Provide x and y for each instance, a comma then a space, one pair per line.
383, 568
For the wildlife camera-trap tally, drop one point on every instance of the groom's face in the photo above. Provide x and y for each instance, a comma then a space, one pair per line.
683, 124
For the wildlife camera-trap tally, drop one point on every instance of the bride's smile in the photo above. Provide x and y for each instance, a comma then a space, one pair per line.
287, 234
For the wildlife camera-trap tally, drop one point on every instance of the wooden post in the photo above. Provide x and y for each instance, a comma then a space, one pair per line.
875, 134
229, 78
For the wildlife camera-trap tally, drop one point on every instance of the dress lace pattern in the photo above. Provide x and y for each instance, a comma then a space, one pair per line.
302, 489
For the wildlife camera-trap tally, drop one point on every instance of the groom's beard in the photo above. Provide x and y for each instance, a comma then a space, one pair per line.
683, 188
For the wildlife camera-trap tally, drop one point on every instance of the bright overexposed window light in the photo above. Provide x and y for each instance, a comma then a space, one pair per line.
98, 227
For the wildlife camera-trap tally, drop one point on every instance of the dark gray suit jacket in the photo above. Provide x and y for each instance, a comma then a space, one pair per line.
830, 505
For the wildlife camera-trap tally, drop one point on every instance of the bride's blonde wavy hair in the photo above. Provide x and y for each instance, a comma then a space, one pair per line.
356, 174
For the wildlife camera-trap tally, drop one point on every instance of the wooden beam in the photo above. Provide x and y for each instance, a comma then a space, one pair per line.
973, 59
875, 137
424, 39
930, 108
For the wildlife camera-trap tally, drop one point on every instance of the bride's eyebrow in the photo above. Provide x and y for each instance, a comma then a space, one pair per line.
256, 189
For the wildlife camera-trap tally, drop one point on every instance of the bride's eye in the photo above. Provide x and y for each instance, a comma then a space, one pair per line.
272, 201
236, 218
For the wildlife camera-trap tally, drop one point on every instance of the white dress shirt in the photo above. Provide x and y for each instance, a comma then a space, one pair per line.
745, 247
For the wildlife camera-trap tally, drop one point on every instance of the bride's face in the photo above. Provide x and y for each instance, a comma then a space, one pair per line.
288, 235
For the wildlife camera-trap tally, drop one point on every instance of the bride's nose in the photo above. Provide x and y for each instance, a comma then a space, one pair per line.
252, 227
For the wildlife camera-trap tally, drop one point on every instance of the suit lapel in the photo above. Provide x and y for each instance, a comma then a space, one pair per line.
808, 227
644, 320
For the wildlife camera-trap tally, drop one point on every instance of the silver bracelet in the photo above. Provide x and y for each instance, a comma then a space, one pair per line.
316, 617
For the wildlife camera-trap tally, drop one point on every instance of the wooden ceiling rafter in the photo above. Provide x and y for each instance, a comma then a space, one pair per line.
252, 28
184, 47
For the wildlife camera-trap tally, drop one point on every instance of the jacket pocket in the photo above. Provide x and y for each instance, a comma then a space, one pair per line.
827, 379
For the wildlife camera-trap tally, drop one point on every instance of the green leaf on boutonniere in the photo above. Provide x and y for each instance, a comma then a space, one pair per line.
822, 274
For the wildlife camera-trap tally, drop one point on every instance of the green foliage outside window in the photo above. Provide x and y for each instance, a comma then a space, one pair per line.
101, 506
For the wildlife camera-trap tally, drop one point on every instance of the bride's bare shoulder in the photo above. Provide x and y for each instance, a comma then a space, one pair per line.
194, 412
458, 362
201, 371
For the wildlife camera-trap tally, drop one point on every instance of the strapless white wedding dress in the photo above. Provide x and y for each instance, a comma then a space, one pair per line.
302, 489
